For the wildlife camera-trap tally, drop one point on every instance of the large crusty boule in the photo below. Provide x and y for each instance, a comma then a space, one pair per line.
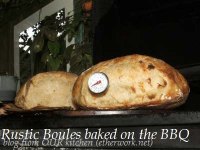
47, 90
135, 81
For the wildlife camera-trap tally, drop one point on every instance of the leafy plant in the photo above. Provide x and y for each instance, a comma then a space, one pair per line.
50, 51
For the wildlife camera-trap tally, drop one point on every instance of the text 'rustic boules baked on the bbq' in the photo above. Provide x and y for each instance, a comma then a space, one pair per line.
135, 81
47, 90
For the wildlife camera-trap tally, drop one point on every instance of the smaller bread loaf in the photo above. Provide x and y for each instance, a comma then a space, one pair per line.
135, 81
47, 90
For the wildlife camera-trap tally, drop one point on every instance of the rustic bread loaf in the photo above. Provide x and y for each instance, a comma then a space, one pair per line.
135, 81
46, 90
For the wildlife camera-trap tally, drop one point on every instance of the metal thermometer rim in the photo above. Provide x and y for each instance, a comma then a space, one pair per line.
106, 79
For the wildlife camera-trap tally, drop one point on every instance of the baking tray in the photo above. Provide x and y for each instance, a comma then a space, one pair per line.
81, 113
10, 108
62, 118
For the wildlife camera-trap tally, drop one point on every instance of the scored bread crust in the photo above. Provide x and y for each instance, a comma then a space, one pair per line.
47, 90
135, 81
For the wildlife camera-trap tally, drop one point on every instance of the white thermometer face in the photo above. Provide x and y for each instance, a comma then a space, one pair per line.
98, 82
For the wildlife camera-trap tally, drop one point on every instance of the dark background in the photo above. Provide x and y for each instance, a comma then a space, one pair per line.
167, 29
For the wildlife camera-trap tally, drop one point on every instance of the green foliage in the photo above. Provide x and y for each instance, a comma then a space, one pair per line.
54, 63
51, 34
68, 51
38, 44
52, 50
80, 58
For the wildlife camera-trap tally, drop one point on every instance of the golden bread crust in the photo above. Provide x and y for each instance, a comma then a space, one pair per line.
136, 81
46, 90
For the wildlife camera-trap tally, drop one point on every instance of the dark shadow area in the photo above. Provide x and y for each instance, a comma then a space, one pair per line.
168, 30
165, 29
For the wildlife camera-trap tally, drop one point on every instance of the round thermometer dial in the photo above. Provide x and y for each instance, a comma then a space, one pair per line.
98, 82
